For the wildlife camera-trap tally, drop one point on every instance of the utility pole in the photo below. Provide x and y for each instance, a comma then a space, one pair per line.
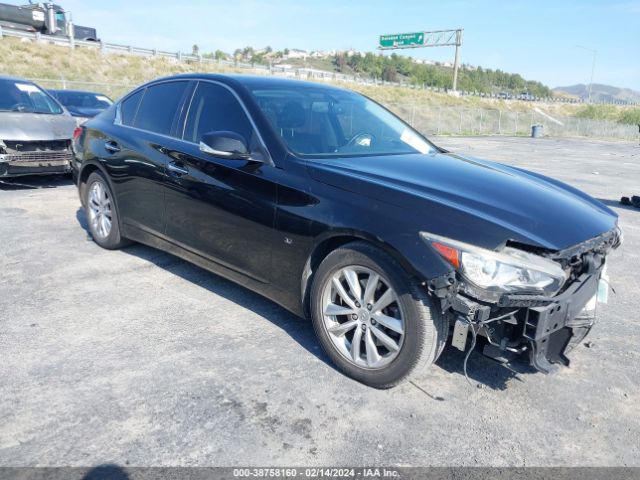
593, 66
456, 62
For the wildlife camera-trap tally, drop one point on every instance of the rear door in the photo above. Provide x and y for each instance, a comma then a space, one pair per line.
137, 152
220, 208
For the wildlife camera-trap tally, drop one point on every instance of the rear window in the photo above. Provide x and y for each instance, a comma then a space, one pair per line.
158, 107
26, 97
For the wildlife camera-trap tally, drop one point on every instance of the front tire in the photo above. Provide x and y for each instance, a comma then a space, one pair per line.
101, 213
374, 320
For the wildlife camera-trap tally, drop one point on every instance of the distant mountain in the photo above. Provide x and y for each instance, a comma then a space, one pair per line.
600, 93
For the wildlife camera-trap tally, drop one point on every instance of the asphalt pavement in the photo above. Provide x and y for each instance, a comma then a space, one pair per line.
137, 358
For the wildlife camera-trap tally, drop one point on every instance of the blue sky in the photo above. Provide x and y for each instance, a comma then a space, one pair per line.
536, 38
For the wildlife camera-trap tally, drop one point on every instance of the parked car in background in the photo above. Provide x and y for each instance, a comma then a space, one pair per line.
330, 205
82, 105
35, 130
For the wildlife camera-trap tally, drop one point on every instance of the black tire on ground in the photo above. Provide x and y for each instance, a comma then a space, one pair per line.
425, 327
114, 239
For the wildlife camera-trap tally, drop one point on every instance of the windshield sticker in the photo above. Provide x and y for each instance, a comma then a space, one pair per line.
25, 87
415, 141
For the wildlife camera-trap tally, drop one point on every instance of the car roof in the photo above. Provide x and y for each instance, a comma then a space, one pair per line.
249, 81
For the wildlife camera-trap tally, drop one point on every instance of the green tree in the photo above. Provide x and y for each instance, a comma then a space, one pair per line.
247, 52
257, 58
339, 62
390, 74
630, 117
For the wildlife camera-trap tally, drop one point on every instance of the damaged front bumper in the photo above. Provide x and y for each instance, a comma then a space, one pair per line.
552, 330
546, 328
35, 157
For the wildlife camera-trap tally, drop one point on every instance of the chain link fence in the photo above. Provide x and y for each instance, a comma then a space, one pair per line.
481, 121
113, 90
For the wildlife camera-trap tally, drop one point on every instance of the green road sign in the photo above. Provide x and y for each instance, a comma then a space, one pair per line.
402, 40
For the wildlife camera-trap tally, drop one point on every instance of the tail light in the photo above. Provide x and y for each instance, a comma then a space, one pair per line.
77, 132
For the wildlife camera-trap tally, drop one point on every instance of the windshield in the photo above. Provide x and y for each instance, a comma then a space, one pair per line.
83, 100
329, 122
17, 96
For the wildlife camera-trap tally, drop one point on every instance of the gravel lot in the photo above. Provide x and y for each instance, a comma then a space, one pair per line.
135, 357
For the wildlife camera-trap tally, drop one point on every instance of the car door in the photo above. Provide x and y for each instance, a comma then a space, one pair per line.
222, 209
136, 152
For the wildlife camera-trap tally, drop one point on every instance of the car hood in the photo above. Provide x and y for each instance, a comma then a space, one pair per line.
35, 126
84, 111
472, 200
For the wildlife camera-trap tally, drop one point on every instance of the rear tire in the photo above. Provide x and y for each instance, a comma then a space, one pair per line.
381, 335
101, 213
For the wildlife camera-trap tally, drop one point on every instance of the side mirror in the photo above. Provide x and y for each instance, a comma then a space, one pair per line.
225, 145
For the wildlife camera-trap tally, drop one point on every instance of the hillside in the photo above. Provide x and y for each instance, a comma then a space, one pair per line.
600, 93
55, 66
400, 68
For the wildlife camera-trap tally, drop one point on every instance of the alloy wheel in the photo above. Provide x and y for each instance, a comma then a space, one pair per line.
363, 317
99, 206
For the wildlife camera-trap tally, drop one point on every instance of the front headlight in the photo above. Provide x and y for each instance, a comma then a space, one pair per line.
490, 274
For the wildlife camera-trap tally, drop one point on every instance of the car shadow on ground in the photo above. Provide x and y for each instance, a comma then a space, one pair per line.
106, 472
34, 182
481, 370
484, 372
299, 329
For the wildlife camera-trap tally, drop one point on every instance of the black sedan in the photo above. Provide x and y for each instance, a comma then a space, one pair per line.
327, 203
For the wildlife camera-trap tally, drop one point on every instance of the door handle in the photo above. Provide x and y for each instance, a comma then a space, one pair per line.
111, 146
176, 169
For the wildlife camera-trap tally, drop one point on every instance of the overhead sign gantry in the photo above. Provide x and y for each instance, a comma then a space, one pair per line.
436, 38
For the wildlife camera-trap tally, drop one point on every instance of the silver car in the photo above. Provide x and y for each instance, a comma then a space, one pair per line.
35, 130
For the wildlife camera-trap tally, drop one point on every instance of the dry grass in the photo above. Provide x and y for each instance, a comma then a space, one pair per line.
59, 63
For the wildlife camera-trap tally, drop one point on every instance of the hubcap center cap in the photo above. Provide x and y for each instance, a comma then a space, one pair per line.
364, 315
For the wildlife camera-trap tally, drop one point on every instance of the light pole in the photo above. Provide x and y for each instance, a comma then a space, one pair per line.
593, 66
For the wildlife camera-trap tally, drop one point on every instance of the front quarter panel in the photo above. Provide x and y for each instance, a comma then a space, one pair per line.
393, 228
311, 213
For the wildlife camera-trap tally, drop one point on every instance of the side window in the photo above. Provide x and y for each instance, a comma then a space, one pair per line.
158, 107
129, 108
214, 108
